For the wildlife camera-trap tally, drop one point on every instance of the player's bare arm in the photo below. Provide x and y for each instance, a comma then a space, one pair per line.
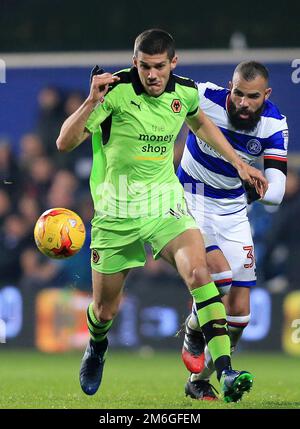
206, 130
73, 131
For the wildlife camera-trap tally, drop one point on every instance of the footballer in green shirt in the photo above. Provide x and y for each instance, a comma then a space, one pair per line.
135, 116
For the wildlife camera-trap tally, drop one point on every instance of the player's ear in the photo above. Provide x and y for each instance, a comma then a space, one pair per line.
230, 85
268, 92
174, 62
134, 61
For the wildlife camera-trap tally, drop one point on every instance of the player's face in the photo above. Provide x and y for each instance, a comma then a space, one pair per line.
154, 71
247, 101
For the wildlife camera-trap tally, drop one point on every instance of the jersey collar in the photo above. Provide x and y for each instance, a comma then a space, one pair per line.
138, 87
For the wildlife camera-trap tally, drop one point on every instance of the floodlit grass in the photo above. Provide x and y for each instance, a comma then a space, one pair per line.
34, 380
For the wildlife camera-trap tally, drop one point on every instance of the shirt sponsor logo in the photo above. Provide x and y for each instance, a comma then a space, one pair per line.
154, 138
254, 146
285, 136
154, 149
159, 150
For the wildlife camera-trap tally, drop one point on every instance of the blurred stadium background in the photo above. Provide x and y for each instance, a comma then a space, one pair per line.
46, 54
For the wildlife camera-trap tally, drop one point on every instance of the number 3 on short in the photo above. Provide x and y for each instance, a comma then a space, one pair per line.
250, 256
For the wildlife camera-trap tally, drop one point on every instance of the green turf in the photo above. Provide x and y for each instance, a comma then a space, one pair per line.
36, 380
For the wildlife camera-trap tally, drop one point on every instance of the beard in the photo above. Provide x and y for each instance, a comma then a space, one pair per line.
242, 124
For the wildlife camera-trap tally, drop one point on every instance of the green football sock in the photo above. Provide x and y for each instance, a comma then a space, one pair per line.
98, 330
212, 319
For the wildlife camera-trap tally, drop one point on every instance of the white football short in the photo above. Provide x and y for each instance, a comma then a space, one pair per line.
229, 232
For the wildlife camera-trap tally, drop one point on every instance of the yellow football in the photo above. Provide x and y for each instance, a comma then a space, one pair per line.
59, 233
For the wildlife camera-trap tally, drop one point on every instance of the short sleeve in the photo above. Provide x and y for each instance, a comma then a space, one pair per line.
277, 145
275, 153
194, 104
98, 115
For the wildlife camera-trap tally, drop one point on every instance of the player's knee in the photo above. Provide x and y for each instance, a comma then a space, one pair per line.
197, 277
104, 312
223, 281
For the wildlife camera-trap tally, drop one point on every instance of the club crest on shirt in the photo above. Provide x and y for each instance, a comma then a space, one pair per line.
254, 146
176, 105
95, 256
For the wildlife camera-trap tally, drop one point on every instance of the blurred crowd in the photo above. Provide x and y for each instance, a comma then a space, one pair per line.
276, 236
37, 177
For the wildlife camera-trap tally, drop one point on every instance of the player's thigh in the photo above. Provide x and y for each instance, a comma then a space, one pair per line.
187, 253
217, 262
169, 234
108, 288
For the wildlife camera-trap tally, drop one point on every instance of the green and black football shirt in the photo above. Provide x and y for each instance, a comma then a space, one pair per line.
133, 139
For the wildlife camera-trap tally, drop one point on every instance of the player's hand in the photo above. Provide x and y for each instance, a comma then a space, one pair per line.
99, 86
254, 178
250, 191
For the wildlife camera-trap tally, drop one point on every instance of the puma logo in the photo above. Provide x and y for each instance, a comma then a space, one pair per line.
136, 104
217, 326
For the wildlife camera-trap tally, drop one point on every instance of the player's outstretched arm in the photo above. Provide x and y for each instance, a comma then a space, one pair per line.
73, 131
207, 131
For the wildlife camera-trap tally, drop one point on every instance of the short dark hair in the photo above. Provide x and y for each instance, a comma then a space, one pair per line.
249, 70
155, 41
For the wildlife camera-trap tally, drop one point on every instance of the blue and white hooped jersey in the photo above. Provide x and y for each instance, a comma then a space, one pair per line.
202, 164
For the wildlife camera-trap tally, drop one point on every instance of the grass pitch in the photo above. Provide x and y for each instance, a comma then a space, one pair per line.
34, 380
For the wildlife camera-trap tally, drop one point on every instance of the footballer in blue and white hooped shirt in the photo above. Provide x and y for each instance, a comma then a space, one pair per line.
255, 128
